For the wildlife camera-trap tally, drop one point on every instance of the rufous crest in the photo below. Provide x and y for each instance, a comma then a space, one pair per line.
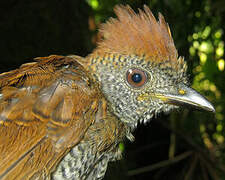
140, 34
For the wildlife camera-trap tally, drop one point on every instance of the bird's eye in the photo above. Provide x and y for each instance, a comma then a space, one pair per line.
136, 77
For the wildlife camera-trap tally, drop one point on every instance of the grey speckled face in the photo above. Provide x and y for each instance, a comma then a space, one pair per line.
138, 88
131, 85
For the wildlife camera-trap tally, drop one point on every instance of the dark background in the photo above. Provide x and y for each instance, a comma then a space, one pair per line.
183, 145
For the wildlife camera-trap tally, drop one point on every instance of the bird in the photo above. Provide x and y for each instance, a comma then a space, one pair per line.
63, 117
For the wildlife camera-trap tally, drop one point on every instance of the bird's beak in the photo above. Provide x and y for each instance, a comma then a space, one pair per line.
186, 96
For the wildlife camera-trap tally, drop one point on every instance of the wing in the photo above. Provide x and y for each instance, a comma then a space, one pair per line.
45, 109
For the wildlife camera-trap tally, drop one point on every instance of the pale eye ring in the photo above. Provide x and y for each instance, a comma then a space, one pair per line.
136, 77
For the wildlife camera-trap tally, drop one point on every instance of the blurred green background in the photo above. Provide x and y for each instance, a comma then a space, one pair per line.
186, 144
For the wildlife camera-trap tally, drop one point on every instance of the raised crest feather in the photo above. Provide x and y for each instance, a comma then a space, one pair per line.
139, 34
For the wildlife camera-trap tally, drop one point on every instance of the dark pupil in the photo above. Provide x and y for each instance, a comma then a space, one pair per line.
136, 78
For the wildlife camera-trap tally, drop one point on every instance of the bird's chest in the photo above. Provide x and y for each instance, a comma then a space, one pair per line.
88, 160
83, 163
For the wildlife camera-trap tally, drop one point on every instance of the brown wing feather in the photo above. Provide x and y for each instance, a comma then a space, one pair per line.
45, 109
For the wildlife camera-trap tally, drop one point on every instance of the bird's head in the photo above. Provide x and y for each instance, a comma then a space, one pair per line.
138, 68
